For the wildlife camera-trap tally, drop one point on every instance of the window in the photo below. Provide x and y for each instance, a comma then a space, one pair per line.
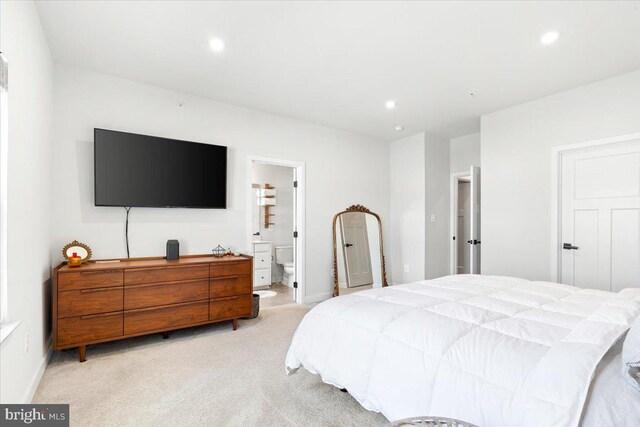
3, 185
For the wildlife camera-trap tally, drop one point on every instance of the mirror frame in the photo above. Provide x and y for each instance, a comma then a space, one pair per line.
355, 208
76, 243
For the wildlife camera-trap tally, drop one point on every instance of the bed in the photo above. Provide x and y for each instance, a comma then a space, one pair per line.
490, 350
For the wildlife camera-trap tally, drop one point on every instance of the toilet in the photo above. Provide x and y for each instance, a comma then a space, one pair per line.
284, 257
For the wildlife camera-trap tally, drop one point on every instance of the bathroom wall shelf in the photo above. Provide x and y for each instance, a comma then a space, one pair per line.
267, 206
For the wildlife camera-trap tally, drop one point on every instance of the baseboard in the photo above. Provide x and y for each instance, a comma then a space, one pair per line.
312, 299
35, 381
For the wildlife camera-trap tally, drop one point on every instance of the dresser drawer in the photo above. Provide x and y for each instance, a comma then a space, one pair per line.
166, 317
140, 276
230, 286
262, 260
89, 301
89, 279
262, 247
155, 294
230, 308
235, 268
96, 327
262, 277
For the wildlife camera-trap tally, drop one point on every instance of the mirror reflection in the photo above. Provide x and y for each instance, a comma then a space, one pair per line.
358, 255
79, 250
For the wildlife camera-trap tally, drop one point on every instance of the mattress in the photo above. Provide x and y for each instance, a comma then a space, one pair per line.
490, 350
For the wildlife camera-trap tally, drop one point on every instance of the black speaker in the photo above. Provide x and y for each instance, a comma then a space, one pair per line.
173, 249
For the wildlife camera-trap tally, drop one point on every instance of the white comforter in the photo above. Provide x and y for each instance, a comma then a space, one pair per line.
493, 351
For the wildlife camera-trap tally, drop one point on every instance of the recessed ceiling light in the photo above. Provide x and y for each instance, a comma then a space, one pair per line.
216, 44
549, 37
391, 104
399, 128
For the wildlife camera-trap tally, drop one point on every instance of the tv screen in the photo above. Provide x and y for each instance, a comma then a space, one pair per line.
146, 171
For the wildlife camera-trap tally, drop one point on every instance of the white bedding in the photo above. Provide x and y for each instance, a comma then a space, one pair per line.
493, 351
611, 401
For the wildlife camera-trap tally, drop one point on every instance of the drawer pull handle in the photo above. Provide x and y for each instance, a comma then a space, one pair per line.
86, 273
91, 291
225, 299
163, 284
93, 316
161, 308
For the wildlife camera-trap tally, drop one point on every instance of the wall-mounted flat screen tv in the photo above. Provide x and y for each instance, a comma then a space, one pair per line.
146, 171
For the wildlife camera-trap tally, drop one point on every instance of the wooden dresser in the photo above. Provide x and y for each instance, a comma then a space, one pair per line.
100, 302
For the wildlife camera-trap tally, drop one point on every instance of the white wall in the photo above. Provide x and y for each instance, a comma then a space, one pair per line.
281, 233
419, 176
342, 169
407, 210
465, 152
437, 191
29, 200
516, 167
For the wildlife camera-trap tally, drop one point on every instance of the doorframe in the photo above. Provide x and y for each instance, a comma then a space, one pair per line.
556, 194
299, 215
456, 177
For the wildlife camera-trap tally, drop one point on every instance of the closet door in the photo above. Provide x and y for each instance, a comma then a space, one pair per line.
600, 217
474, 242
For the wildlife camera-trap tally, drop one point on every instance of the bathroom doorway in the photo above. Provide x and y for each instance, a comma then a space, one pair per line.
276, 229
465, 222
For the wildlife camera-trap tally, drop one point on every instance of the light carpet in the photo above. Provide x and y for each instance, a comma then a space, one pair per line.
204, 376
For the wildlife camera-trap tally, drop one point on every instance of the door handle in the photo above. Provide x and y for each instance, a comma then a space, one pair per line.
569, 246
348, 245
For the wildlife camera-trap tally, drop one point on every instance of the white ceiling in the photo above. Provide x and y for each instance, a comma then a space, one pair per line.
336, 63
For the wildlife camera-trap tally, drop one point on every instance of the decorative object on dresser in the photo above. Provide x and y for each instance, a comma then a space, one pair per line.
219, 251
100, 302
77, 248
74, 260
173, 250
261, 263
358, 256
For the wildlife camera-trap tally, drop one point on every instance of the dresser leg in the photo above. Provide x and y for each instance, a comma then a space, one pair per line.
83, 353
235, 324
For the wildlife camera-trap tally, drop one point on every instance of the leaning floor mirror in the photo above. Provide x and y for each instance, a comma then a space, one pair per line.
358, 258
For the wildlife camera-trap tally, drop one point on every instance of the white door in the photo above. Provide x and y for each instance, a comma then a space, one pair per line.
356, 249
295, 236
475, 239
600, 217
